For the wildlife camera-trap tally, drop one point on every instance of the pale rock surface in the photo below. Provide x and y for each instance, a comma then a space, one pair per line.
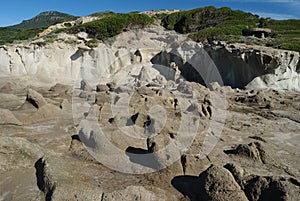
219, 184
18, 153
35, 98
8, 118
11, 101
237, 65
137, 193
256, 67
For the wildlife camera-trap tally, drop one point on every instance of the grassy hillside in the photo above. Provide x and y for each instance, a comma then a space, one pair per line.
112, 25
286, 33
44, 19
30, 28
9, 35
210, 23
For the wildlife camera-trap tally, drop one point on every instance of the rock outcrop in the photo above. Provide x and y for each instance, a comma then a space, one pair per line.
257, 32
236, 65
256, 67
35, 98
8, 118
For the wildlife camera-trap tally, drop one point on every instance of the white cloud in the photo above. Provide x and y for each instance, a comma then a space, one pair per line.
277, 16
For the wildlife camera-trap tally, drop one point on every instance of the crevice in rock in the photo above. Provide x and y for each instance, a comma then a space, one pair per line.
131, 121
45, 186
258, 138
22, 61
183, 163
10, 61
294, 181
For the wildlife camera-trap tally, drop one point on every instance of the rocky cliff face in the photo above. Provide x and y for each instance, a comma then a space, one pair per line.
257, 67
236, 65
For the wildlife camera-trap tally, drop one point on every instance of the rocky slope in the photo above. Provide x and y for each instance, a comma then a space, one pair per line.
132, 120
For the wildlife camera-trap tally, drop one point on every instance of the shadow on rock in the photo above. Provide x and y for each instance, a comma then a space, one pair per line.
143, 157
187, 185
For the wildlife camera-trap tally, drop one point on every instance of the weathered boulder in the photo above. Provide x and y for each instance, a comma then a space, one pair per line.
218, 184
266, 188
254, 151
82, 36
61, 88
144, 77
8, 118
11, 101
215, 183
46, 113
17, 153
56, 179
85, 86
102, 88
35, 98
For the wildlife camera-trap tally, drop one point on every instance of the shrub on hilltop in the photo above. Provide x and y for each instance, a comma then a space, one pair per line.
112, 25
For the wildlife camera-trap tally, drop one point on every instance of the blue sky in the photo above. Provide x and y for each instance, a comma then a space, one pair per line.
14, 11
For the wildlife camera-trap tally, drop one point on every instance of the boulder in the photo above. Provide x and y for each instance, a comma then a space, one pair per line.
58, 179
18, 152
264, 188
35, 98
11, 101
215, 183
85, 86
254, 151
17, 158
144, 77
8, 118
218, 184
101, 98
61, 88
111, 86
82, 36
46, 113
102, 88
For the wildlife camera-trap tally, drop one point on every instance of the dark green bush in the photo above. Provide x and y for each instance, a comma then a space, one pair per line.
112, 25
210, 23
92, 43
9, 35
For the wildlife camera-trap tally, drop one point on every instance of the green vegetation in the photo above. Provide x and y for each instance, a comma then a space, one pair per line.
44, 20
50, 38
112, 25
210, 23
102, 14
30, 28
201, 24
9, 35
286, 33
92, 43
